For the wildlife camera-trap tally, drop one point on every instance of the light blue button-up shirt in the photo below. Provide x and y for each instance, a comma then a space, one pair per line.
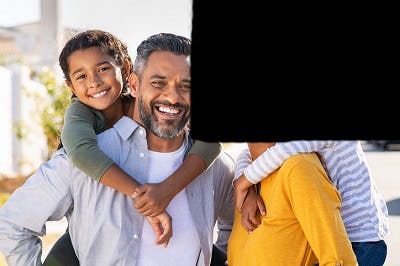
105, 229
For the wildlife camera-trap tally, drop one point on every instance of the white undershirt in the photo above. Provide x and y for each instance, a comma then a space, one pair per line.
184, 245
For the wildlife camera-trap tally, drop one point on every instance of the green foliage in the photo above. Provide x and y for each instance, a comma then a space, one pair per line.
6, 60
52, 113
52, 106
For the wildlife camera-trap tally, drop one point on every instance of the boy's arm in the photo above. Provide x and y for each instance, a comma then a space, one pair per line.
243, 188
242, 162
208, 151
151, 199
273, 157
45, 196
316, 204
200, 157
81, 124
78, 136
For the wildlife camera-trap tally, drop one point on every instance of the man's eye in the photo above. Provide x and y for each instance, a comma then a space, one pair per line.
158, 84
185, 87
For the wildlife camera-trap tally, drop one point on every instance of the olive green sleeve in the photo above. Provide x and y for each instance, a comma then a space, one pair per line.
209, 151
78, 136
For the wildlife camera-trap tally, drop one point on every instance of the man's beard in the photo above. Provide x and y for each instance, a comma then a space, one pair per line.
169, 128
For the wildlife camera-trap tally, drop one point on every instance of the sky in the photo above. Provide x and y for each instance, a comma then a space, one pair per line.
130, 20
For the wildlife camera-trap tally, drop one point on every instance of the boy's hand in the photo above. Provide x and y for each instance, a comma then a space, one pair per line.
152, 199
162, 227
241, 188
240, 196
253, 205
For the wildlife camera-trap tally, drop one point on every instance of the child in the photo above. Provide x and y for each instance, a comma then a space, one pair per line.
100, 99
363, 209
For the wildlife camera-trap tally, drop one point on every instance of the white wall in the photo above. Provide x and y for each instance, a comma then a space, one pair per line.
22, 156
6, 162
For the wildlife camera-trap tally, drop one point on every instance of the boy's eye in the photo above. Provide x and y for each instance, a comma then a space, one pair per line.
81, 76
103, 69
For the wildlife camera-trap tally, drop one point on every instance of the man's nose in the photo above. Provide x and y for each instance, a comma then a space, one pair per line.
173, 94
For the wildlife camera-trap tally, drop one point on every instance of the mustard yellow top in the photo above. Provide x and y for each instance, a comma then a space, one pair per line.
302, 226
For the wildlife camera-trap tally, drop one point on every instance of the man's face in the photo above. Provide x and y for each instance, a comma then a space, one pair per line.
163, 94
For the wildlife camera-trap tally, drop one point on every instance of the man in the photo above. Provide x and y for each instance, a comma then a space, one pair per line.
156, 139
302, 224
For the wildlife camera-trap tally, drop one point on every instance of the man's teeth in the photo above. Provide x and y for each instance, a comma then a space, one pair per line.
168, 110
97, 95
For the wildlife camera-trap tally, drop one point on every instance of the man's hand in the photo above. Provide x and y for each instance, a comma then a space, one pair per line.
162, 227
253, 205
152, 199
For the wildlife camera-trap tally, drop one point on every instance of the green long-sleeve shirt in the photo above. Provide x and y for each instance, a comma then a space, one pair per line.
78, 136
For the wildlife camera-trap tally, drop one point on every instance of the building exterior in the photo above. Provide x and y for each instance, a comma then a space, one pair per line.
24, 51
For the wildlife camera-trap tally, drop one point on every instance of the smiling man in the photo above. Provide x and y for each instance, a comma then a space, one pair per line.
156, 138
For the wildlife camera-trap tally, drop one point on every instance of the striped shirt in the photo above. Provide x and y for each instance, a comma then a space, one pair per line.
363, 210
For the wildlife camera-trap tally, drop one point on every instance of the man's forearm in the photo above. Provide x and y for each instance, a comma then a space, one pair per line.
45, 195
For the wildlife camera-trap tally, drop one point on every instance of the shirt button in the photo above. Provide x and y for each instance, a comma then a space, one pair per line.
141, 154
141, 132
135, 236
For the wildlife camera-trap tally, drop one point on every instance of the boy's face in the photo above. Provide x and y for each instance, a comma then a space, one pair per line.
163, 94
95, 77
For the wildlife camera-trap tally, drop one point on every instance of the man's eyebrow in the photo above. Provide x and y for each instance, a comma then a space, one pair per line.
98, 64
157, 76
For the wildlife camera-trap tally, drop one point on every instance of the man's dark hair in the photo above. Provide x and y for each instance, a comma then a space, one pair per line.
107, 42
167, 42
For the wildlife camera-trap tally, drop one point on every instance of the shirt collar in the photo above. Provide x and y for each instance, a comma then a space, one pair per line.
125, 127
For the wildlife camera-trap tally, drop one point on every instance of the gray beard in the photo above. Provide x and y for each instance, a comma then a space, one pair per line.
150, 122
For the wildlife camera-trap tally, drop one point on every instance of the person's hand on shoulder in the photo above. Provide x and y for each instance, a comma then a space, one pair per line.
252, 207
241, 185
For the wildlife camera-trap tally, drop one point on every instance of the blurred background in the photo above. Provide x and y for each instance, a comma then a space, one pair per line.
34, 96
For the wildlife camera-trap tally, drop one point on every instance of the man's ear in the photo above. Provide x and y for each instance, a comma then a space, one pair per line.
69, 84
133, 84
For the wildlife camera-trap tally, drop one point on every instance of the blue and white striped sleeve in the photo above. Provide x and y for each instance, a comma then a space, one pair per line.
273, 157
242, 161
